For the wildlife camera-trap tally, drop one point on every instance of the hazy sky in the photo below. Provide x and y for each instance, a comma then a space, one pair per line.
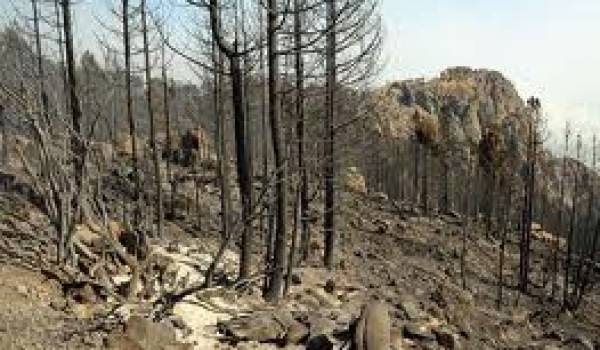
550, 48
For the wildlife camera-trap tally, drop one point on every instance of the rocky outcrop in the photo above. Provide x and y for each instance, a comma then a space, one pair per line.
456, 108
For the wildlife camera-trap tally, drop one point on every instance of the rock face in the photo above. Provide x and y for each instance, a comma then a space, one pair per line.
455, 108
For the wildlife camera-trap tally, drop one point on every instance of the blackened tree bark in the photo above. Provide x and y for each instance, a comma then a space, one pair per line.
416, 163
167, 114
61, 51
76, 138
330, 87
425, 179
534, 106
591, 263
591, 239
561, 212
132, 131
299, 68
73, 98
465, 224
505, 228
43, 99
3, 127
222, 155
265, 222
276, 282
242, 165
572, 223
157, 177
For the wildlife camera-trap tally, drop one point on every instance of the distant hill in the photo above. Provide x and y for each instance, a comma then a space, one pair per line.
457, 109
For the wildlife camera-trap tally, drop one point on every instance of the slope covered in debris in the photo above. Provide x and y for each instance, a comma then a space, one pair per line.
389, 251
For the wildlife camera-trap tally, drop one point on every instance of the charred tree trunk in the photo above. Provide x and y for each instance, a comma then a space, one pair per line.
167, 113
591, 263
221, 144
61, 52
243, 166
292, 254
132, 128
505, 228
572, 223
276, 281
425, 180
72, 83
243, 144
43, 99
465, 224
330, 87
416, 153
491, 193
303, 188
157, 177
76, 138
561, 218
239, 110
444, 200
265, 224
591, 239
3, 126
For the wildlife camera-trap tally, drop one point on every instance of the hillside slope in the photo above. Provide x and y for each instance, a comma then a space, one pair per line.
387, 251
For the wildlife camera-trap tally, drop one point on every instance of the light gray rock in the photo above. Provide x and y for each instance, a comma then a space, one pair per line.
373, 328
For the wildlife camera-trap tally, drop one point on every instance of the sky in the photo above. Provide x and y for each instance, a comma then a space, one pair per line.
547, 48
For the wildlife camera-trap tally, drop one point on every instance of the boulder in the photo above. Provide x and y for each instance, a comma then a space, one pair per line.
419, 332
354, 181
295, 331
373, 328
320, 342
91, 233
579, 342
320, 325
143, 334
325, 299
308, 301
411, 309
296, 278
382, 225
85, 294
330, 286
260, 327
380, 197
86, 235
321, 331
446, 338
